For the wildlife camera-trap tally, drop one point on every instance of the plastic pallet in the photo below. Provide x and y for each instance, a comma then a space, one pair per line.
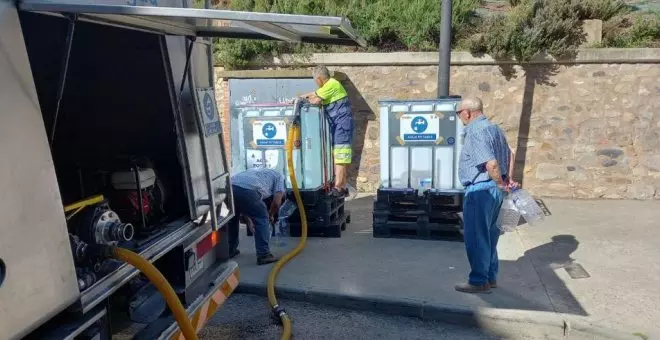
417, 224
309, 196
326, 210
332, 228
410, 199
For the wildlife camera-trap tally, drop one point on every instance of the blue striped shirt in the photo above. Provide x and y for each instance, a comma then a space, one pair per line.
266, 181
484, 141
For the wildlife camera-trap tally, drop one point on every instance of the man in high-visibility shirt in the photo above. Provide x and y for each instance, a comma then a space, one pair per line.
334, 98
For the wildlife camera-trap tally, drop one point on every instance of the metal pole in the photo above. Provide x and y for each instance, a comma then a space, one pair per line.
445, 49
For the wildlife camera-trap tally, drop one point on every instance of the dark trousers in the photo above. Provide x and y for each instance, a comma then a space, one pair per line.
248, 203
481, 208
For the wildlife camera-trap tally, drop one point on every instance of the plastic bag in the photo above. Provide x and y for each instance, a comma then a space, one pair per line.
282, 231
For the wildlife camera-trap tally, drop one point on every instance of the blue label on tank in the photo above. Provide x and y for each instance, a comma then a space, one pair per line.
270, 142
269, 130
419, 124
451, 140
419, 136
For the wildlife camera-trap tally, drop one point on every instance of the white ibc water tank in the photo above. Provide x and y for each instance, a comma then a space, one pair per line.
420, 144
262, 135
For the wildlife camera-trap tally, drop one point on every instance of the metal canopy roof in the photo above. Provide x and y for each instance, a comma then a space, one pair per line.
208, 22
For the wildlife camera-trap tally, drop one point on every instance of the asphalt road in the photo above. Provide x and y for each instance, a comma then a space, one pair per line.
248, 317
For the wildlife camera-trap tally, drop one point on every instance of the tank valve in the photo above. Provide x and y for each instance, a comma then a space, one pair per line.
101, 226
110, 230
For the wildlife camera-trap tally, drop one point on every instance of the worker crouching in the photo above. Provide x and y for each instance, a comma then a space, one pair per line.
251, 188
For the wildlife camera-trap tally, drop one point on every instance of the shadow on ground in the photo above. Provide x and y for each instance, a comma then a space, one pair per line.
536, 265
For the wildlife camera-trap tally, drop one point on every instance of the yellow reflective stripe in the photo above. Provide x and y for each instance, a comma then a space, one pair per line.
203, 314
343, 154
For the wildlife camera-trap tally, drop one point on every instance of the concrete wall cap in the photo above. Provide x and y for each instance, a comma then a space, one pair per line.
586, 55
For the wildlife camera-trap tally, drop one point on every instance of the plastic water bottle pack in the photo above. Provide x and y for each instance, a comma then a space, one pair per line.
424, 185
529, 209
516, 204
282, 231
509, 215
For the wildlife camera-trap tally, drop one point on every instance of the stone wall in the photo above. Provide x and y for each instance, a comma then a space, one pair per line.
585, 129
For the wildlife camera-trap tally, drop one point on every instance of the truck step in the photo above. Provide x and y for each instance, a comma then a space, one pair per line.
219, 284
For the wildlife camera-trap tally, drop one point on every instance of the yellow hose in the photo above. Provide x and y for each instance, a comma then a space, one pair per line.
158, 280
294, 134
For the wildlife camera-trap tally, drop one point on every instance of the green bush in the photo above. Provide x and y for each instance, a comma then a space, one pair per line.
385, 24
629, 31
531, 28
602, 9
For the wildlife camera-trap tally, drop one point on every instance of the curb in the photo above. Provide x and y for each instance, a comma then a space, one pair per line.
459, 315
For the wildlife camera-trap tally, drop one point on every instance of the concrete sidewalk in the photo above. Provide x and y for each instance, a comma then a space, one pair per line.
615, 242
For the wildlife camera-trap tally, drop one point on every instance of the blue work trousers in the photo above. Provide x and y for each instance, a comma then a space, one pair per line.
481, 208
248, 203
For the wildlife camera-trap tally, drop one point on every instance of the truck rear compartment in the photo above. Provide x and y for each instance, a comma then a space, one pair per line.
114, 135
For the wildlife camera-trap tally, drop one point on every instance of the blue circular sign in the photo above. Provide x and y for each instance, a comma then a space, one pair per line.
269, 130
451, 140
419, 124
208, 106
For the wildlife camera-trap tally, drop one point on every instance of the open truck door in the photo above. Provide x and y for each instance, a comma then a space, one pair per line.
192, 83
34, 231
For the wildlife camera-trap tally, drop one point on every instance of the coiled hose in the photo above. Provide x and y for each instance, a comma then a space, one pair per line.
294, 135
164, 287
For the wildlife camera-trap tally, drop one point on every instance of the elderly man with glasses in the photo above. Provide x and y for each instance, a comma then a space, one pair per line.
484, 171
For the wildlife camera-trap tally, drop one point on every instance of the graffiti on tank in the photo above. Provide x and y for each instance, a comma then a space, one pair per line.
246, 100
285, 100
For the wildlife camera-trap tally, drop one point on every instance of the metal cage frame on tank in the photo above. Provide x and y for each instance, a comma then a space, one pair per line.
419, 195
326, 214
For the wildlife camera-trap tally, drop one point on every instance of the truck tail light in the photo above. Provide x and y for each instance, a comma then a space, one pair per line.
206, 244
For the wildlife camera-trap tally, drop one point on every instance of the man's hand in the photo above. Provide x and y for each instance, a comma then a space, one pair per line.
504, 186
271, 213
493, 168
275, 206
513, 185
508, 185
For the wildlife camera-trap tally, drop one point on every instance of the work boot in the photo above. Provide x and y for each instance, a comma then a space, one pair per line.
266, 259
468, 288
492, 283
337, 193
233, 253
